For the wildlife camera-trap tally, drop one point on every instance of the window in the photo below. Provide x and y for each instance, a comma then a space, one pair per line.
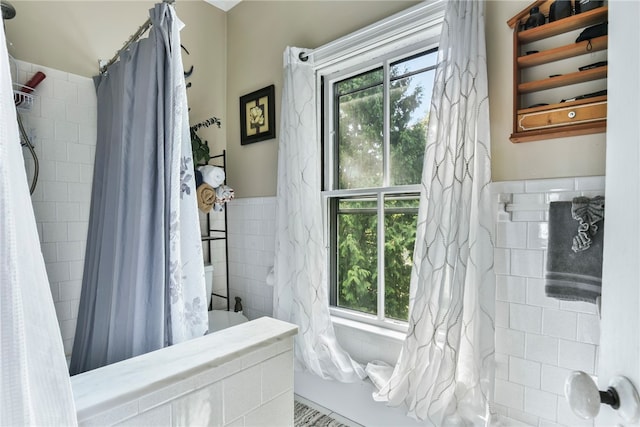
375, 119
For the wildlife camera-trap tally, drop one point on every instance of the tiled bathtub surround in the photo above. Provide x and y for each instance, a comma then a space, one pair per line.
62, 126
539, 340
239, 376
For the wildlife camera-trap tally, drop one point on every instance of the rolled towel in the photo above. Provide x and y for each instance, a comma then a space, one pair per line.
212, 175
206, 197
224, 193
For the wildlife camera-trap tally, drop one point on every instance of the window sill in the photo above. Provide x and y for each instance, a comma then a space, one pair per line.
369, 329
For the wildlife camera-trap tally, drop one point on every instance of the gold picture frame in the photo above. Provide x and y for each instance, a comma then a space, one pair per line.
258, 116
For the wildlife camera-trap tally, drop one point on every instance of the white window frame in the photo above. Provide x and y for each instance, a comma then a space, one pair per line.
411, 31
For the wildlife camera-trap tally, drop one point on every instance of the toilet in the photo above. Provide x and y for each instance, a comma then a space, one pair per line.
220, 319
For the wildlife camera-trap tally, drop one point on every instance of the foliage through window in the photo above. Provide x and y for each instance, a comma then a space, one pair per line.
376, 118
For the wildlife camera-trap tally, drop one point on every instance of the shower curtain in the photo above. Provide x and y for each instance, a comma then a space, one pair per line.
445, 370
143, 285
34, 381
300, 279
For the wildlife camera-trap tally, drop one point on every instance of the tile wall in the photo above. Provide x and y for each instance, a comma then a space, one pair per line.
539, 340
62, 126
251, 252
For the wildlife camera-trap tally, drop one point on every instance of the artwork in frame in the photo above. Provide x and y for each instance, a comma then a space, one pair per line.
258, 116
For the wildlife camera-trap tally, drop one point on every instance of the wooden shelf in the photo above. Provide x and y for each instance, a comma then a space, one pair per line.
564, 25
560, 132
563, 80
569, 104
563, 52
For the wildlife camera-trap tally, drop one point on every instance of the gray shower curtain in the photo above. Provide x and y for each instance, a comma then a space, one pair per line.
143, 283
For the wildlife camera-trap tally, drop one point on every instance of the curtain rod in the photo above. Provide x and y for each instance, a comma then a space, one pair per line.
143, 29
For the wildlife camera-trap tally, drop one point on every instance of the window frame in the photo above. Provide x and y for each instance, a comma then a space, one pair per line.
415, 29
330, 178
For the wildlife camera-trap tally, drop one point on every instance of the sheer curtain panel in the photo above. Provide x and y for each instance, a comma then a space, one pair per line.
445, 370
34, 381
300, 276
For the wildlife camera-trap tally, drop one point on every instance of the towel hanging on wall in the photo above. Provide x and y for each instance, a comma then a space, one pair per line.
574, 255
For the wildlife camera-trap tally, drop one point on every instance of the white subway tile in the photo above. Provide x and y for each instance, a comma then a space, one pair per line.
49, 251
509, 394
553, 379
510, 342
160, 416
66, 131
67, 212
54, 232
502, 366
502, 261
546, 423
70, 290
577, 356
79, 153
541, 348
536, 294
273, 412
528, 216
67, 172
590, 183
547, 185
87, 135
511, 289
507, 187
69, 251
54, 191
240, 393
521, 419
55, 291
528, 199
63, 310
566, 417
578, 306
588, 328
80, 192
47, 170
68, 328
540, 403
55, 151
525, 318
52, 108
76, 113
537, 235
57, 271
524, 372
511, 235
559, 323
527, 263
76, 269
502, 314
65, 91
198, 408
277, 375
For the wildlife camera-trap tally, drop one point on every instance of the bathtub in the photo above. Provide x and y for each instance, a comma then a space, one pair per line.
220, 319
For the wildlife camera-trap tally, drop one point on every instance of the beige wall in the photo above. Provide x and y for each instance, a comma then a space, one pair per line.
240, 51
72, 36
258, 32
563, 157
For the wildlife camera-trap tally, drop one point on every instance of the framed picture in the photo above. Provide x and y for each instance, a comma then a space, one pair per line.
258, 116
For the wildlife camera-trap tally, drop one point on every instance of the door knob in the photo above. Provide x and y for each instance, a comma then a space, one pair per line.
585, 399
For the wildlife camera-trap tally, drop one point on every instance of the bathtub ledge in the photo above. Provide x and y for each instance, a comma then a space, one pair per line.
116, 387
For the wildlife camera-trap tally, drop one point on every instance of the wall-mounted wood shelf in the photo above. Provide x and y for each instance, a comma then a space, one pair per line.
557, 120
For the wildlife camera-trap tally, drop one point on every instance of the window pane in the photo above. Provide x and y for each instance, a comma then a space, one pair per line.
357, 255
400, 222
411, 85
359, 106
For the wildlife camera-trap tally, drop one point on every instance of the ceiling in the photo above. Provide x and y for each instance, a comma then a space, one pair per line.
225, 5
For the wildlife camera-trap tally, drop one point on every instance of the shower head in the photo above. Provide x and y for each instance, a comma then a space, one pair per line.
8, 11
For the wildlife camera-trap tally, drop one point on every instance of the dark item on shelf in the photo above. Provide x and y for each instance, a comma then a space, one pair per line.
238, 306
554, 75
536, 19
531, 52
537, 105
594, 65
587, 5
559, 9
593, 32
587, 95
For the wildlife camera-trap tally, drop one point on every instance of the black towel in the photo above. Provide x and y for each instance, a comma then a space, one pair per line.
574, 266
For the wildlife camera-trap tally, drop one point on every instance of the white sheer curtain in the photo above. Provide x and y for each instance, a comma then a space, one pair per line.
444, 373
300, 279
34, 381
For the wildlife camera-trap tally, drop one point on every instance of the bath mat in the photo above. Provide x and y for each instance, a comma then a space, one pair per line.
303, 416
